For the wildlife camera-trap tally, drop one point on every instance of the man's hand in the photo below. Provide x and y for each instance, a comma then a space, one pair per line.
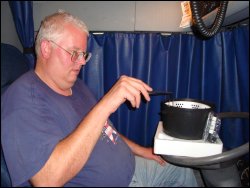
148, 154
126, 88
143, 151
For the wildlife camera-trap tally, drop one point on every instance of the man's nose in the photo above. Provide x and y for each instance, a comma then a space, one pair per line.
82, 62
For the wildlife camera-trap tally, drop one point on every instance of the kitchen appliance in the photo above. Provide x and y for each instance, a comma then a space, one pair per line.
185, 118
188, 127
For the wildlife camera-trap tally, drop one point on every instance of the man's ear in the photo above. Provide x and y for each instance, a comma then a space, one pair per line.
45, 49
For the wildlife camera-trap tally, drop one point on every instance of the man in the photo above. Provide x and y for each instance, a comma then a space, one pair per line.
54, 132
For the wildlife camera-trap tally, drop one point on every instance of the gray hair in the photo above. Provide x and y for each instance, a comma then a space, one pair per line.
52, 26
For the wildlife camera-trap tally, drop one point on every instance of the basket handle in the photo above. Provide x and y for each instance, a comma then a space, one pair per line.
157, 93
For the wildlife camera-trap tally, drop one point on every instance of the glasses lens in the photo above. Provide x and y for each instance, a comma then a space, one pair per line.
74, 57
78, 56
87, 56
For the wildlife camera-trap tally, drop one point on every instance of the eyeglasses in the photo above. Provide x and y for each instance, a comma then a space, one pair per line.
75, 55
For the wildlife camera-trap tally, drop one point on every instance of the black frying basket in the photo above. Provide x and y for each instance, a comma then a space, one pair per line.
185, 118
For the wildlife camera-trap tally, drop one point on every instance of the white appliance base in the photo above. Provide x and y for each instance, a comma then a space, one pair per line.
167, 145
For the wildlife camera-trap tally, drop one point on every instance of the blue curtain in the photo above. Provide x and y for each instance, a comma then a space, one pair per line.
215, 70
22, 12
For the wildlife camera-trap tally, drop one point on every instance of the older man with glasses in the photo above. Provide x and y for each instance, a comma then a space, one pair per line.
55, 133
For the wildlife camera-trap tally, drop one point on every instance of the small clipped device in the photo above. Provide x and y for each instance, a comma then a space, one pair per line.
212, 128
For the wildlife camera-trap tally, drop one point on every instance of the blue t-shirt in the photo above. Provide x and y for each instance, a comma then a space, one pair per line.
35, 118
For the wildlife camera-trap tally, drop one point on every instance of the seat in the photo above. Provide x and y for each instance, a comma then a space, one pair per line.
13, 65
218, 170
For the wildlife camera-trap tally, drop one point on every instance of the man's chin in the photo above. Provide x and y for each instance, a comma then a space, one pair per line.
72, 81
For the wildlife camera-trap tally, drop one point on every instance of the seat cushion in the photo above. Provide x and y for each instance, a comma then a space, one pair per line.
13, 65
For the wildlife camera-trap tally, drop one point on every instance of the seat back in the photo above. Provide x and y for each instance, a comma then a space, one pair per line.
13, 65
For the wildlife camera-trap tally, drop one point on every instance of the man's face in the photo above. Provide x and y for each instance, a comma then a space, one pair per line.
60, 65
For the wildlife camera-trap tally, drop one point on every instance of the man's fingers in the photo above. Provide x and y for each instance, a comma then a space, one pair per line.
127, 88
142, 87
